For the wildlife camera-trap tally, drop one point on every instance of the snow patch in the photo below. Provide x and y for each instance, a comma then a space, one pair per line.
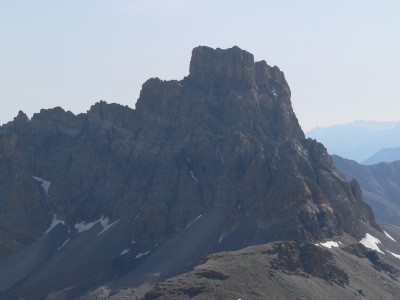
63, 244
194, 177
371, 242
221, 237
330, 244
142, 254
125, 251
394, 254
198, 217
389, 236
83, 226
137, 214
54, 223
276, 152
44, 183
80, 227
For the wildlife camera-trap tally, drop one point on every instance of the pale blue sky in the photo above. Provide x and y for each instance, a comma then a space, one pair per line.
341, 58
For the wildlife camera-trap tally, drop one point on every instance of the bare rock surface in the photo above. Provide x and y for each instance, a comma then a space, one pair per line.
214, 162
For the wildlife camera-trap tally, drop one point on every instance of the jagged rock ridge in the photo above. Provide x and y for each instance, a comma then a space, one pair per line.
224, 138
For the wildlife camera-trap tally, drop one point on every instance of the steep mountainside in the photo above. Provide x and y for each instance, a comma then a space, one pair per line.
380, 184
216, 161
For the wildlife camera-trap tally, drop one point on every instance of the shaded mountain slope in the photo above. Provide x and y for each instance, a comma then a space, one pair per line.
380, 184
111, 195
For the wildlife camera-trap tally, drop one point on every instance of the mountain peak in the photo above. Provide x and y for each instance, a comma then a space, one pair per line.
235, 67
225, 90
21, 118
216, 160
230, 64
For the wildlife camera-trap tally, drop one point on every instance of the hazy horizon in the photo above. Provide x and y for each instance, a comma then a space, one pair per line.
340, 59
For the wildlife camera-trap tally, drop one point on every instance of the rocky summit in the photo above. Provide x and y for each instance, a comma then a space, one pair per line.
120, 197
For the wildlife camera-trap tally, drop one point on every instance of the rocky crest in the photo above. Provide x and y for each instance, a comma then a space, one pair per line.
225, 137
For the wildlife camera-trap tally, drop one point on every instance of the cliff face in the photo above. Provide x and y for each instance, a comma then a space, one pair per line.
224, 137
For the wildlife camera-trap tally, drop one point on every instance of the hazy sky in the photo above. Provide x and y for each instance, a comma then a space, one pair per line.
341, 58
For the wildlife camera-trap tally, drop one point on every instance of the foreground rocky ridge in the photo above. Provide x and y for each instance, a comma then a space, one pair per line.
221, 147
341, 269
284, 270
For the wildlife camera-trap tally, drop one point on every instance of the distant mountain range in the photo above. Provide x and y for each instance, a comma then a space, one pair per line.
383, 155
361, 141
